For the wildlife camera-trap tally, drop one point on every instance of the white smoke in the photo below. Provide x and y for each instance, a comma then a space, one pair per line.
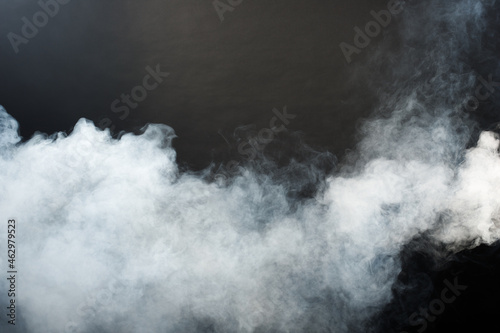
113, 238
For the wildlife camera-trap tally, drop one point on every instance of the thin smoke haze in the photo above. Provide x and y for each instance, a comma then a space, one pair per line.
115, 238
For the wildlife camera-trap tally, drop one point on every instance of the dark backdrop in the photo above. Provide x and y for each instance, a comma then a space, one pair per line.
223, 74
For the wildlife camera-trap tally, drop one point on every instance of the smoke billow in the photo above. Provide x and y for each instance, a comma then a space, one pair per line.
114, 238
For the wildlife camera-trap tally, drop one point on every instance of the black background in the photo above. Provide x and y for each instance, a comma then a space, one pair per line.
223, 75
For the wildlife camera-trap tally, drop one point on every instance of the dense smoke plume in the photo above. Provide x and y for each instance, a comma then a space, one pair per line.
113, 238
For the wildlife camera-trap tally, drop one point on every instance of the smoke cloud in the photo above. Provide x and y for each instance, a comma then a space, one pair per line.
113, 238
